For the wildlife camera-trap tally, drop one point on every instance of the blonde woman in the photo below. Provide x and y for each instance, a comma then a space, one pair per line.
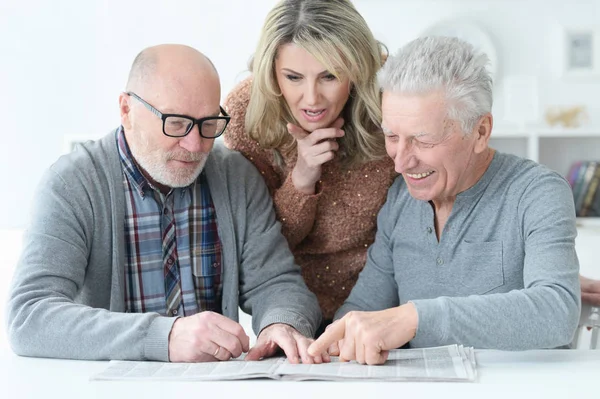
308, 119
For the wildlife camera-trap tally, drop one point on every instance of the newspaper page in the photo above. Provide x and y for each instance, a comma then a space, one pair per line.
235, 369
446, 363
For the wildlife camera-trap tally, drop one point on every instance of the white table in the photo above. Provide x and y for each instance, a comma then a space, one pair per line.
547, 374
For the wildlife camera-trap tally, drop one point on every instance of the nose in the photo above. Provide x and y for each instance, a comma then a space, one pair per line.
311, 93
403, 156
193, 142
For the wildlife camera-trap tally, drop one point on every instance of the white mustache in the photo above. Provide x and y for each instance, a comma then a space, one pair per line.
187, 156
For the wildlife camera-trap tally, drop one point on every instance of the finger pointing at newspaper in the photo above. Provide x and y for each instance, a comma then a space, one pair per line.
331, 336
368, 336
293, 344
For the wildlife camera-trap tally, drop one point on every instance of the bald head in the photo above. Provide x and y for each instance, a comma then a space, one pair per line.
167, 62
177, 80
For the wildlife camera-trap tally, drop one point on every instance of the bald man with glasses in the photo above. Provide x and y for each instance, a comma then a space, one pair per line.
143, 244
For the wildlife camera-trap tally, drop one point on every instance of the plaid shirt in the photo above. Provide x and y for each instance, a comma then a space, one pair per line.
197, 240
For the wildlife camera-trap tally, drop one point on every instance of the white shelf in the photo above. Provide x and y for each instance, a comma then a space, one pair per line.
586, 245
556, 148
500, 133
589, 224
568, 133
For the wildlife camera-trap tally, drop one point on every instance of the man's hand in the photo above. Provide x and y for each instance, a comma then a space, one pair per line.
590, 291
293, 344
314, 149
206, 337
367, 337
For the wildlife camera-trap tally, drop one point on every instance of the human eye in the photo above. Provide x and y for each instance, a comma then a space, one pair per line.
329, 77
213, 127
424, 144
291, 77
175, 125
391, 137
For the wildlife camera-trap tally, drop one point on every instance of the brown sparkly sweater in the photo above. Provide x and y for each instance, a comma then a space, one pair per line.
328, 232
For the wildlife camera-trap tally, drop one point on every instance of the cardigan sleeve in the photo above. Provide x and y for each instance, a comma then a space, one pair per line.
296, 211
52, 311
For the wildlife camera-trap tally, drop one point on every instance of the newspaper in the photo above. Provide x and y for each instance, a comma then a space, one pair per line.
444, 363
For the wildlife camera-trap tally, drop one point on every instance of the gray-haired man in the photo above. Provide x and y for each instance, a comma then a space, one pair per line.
473, 246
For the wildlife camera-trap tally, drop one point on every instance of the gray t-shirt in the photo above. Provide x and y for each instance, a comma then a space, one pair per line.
504, 274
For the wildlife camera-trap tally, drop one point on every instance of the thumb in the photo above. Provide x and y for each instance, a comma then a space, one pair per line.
383, 357
256, 353
261, 350
296, 131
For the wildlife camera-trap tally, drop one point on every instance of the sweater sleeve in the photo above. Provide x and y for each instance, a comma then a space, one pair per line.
46, 317
296, 211
542, 315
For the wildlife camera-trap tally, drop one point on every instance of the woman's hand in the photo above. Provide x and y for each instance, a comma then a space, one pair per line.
314, 149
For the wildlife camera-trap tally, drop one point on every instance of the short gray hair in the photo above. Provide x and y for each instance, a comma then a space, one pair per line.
442, 63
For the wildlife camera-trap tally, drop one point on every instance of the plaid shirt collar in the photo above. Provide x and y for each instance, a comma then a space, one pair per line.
135, 176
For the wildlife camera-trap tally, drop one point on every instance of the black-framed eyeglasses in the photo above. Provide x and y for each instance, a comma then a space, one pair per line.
175, 125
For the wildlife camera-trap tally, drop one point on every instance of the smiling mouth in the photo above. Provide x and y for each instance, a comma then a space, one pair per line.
419, 176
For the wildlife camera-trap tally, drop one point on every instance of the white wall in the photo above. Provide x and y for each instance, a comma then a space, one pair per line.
65, 62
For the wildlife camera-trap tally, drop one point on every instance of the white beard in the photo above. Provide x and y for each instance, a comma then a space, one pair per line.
155, 162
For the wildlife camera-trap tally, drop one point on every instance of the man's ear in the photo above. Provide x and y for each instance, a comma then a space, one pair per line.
125, 110
483, 130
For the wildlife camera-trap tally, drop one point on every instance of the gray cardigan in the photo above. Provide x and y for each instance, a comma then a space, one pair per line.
67, 297
504, 274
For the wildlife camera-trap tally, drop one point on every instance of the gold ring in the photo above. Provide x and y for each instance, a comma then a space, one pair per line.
217, 351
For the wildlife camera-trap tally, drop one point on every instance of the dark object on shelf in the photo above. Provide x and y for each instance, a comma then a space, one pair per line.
584, 178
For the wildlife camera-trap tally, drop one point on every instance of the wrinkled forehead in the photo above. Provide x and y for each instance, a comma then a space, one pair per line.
412, 113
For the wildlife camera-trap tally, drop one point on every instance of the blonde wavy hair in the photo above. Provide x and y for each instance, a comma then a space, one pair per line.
337, 36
